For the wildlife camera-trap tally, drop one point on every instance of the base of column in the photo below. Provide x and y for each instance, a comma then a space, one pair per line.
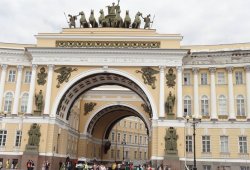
180, 118
214, 119
232, 119
14, 115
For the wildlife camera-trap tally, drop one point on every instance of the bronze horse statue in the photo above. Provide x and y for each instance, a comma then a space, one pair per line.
127, 20
92, 20
118, 22
102, 19
83, 21
137, 21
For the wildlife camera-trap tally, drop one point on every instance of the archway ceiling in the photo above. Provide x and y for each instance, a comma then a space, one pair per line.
102, 123
92, 81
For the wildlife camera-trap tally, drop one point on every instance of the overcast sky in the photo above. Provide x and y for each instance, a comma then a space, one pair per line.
199, 21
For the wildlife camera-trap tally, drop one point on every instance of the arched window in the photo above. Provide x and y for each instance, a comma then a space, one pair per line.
187, 106
222, 105
8, 102
240, 105
204, 105
24, 102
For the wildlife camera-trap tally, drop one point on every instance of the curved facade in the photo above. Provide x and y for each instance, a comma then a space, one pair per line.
207, 82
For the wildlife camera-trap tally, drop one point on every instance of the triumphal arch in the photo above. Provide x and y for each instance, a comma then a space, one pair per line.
61, 97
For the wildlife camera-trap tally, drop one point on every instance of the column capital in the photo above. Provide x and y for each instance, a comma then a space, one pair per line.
212, 69
19, 67
195, 70
179, 68
34, 66
162, 67
4, 66
229, 69
51, 66
247, 68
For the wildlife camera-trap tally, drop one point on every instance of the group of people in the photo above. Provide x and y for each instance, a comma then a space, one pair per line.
8, 165
46, 165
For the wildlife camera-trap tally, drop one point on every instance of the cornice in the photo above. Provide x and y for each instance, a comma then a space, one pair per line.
107, 57
14, 57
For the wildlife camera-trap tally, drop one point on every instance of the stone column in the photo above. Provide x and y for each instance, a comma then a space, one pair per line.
32, 89
162, 92
248, 90
2, 84
18, 89
231, 94
179, 93
196, 92
213, 102
48, 89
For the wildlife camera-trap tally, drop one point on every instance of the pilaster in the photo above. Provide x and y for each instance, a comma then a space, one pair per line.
18, 89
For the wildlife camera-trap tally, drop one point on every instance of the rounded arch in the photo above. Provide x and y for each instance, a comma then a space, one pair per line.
142, 116
89, 73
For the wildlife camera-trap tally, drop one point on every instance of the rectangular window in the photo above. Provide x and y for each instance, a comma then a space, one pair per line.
135, 153
118, 154
145, 155
221, 78
145, 140
12, 76
126, 154
112, 153
140, 140
243, 144
224, 144
125, 137
140, 155
187, 107
238, 77
3, 135
204, 78
206, 167
189, 143
27, 76
118, 137
135, 125
112, 136
130, 124
186, 79
136, 139
18, 138
244, 168
204, 107
130, 138
205, 143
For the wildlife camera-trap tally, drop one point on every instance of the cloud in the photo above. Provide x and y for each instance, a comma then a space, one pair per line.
200, 22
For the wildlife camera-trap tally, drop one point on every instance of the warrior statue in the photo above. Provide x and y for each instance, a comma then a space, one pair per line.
147, 21
113, 9
83, 22
39, 101
127, 20
72, 20
92, 20
34, 135
170, 104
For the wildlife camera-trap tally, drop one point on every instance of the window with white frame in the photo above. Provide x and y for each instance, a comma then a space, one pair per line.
12, 76
24, 102
206, 167
240, 105
130, 138
27, 78
8, 102
205, 143
187, 106
221, 78
204, 105
112, 136
224, 144
243, 144
204, 78
238, 77
186, 79
189, 143
112, 153
125, 137
222, 105
136, 139
18, 138
3, 136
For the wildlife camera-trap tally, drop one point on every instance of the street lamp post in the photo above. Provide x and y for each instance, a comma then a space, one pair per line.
123, 143
194, 122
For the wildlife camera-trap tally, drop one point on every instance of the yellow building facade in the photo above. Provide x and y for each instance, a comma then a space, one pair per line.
76, 118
